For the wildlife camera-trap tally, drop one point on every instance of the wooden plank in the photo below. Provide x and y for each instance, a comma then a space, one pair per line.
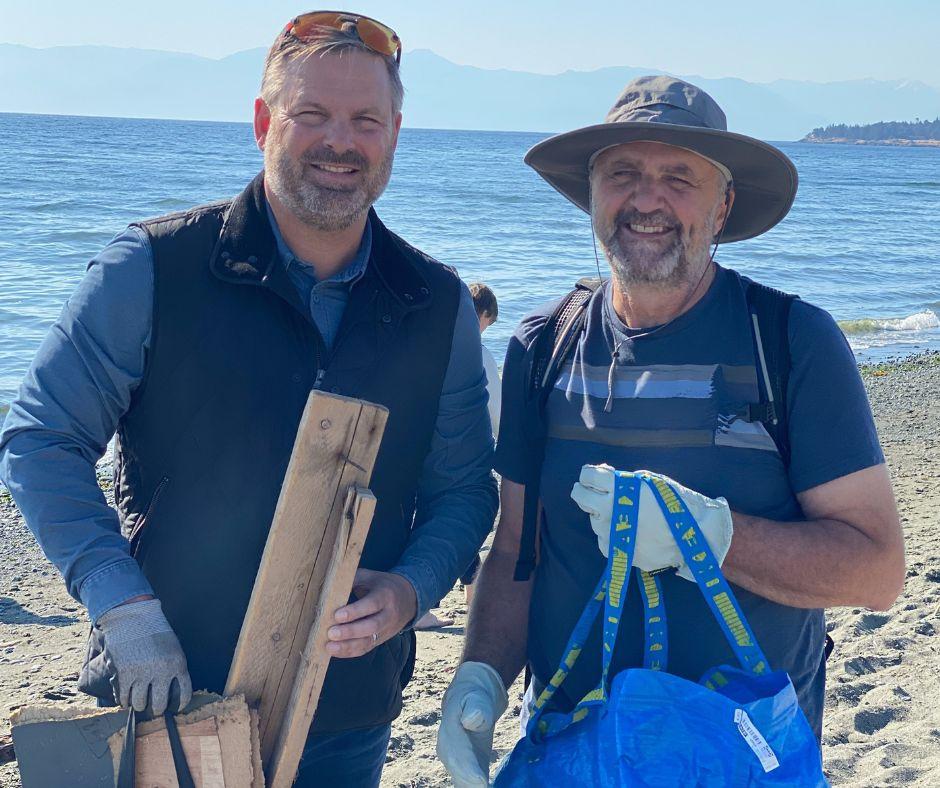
87, 743
285, 757
257, 769
335, 449
154, 765
217, 742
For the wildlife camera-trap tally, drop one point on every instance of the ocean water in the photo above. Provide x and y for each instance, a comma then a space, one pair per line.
862, 240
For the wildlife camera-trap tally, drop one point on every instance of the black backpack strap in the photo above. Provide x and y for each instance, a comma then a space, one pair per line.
550, 349
769, 314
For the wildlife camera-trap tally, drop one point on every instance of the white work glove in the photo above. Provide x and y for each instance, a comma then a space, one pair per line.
145, 657
474, 701
655, 546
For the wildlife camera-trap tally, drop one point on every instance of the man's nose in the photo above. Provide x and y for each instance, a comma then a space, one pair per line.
647, 195
338, 136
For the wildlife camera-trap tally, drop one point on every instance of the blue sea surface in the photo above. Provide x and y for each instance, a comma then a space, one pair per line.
862, 240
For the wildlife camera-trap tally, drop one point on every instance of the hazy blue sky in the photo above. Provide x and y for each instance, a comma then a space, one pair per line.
821, 40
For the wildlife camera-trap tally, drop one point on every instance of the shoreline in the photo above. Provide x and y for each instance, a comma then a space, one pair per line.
901, 363
897, 143
882, 717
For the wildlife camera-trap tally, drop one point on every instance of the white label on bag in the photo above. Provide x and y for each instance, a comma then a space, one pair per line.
755, 741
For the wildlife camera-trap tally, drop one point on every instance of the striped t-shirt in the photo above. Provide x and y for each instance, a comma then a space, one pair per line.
675, 399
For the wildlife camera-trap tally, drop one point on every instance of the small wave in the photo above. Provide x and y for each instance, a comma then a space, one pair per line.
65, 236
870, 325
52, 206
173, 202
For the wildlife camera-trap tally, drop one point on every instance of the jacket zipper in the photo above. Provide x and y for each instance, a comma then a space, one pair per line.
318, 357
321, 369
137, 533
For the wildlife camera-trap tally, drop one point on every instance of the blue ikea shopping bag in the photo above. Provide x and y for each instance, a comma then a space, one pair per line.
736, 727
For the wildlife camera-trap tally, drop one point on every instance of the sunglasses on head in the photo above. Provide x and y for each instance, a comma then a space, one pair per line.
378, 37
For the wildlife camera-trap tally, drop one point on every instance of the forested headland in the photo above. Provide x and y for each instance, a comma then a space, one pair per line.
894, 132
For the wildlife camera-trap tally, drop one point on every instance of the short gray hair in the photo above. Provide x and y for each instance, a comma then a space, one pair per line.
290, 49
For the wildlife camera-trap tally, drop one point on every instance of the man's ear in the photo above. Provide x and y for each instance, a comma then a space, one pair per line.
396, 127
262, 122
725, 211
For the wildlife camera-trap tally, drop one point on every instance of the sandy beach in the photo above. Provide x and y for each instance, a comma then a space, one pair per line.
882, 723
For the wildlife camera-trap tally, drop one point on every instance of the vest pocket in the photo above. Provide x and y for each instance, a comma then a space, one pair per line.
95, 676
138, 530
390, 662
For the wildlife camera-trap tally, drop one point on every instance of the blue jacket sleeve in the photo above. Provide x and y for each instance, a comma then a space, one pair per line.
77, 388
457, 496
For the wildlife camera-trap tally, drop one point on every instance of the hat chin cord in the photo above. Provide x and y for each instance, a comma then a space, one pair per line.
615, 355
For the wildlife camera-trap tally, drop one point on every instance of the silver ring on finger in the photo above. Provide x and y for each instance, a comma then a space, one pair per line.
375, 637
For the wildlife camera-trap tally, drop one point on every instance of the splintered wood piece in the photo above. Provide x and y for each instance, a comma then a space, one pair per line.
257, 769
203, 750
64, 747
216, 741
285, 756
335, 450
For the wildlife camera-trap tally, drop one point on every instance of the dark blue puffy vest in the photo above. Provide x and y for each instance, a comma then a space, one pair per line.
204, 447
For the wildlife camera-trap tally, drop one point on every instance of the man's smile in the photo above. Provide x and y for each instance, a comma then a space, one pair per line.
333, 176
648, 229
337, 168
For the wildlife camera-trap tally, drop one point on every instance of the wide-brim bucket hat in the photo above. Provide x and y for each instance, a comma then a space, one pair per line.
668, 110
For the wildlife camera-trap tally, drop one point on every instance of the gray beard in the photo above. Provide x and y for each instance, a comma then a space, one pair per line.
323, 209
643, 264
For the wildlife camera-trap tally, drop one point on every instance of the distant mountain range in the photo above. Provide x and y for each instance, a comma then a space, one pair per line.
92, 80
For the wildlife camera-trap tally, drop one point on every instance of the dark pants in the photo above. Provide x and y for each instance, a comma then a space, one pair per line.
352, 759
470, 575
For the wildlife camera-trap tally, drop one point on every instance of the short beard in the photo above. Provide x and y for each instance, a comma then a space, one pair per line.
324, 209
643, 264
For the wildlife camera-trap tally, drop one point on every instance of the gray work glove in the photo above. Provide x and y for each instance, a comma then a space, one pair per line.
144, 656
473, 702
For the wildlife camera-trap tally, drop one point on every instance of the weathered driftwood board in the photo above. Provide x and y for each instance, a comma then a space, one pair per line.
64, 747
334, 452
281, 766
218, 743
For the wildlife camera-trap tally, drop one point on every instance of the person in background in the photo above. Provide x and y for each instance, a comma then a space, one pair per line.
669, 373
197, 338
487, 310
484, 302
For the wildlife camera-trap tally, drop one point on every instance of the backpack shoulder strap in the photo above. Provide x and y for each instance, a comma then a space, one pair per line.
557, 336
769, 314
550, 349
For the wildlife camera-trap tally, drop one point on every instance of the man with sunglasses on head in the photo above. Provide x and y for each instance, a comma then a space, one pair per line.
197, 337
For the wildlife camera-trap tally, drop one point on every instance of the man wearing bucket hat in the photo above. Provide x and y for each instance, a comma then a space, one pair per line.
665, 367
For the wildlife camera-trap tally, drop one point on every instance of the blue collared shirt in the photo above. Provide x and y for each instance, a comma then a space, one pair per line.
80, 384
325, 299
